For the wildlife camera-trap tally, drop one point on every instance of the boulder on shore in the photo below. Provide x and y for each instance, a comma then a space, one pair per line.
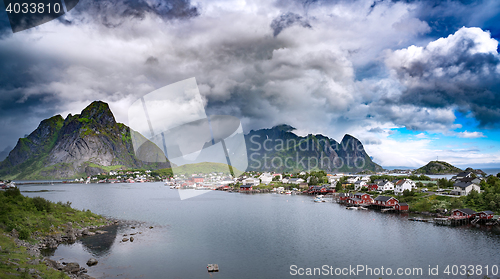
71, 268
92, 262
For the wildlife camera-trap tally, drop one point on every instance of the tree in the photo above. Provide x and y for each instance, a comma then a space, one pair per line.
338, 187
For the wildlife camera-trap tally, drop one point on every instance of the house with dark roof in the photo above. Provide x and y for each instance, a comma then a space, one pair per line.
385, 201
385, 185
318, 189
462, 175
403, 184
486, 215
464, 188
463, 213
359, 184
372, 187
246, 187
354, 201
475, 180
402, 207
343, 197
364, 197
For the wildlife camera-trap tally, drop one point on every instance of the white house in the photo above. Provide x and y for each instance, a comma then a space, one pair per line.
352, 179
385, 185
359, 184
464, 188
365, 178
251, 181
296, 180
403, 184
333, 178
266, 178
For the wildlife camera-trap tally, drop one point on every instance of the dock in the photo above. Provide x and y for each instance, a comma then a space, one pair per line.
213, 268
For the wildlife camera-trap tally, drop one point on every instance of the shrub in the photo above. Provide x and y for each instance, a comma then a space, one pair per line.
12, 192
24, 234
41, 204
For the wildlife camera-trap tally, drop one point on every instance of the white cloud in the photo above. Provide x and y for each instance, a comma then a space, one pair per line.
471, 135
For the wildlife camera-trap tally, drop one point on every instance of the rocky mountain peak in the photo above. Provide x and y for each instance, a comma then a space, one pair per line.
100, 112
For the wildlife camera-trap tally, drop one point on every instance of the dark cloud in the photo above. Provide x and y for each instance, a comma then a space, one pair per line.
113, 13
376, 130
286, 20
461, 70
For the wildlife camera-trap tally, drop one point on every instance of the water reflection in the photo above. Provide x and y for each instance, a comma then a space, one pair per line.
100, 244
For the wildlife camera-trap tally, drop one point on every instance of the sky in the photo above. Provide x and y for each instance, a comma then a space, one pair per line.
413, 80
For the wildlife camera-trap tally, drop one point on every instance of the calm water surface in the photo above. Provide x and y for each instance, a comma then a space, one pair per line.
256, 236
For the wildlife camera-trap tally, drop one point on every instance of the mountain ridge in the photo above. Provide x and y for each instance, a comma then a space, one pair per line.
278, 148
72, 147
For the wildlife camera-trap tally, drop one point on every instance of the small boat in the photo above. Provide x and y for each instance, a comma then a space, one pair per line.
363, 208
288, 193
352, 208
319, 200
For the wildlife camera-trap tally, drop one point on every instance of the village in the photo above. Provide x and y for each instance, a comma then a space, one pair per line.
394, 192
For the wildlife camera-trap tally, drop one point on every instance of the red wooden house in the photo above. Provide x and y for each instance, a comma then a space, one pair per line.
385, 201
402, 206
486, 215
372, 187
197, 179
463, 213
343, 197
247, 187
318, 190
354, 201
364, 197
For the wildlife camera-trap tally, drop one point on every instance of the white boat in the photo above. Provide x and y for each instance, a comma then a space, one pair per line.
319, 200
363, 208
288, 193
352, 208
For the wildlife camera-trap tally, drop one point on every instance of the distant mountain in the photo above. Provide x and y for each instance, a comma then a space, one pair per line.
438, 167
80, 145
280, 149
478, 172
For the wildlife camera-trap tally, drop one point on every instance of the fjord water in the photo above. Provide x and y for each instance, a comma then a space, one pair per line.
255, 236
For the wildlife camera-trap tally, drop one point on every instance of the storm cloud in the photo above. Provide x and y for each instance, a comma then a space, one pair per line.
460, 70
330, 67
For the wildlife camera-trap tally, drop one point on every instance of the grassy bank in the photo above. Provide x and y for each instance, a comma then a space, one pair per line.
14, 257
33, 219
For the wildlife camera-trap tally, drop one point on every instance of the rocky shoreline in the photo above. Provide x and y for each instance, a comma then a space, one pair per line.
68, 235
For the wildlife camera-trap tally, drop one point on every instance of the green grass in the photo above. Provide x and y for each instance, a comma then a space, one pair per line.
13, 257
107, 168
30, 215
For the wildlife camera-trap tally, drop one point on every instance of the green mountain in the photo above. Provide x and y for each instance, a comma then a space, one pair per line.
438, 167
280, 149
80, 145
